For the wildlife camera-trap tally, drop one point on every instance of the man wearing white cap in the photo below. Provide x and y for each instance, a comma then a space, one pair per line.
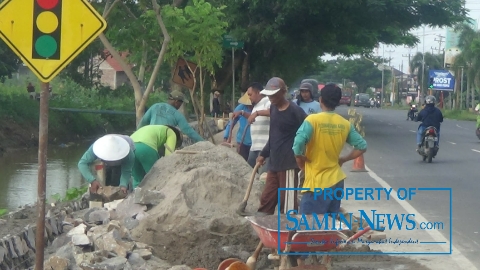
285, 119
112, 150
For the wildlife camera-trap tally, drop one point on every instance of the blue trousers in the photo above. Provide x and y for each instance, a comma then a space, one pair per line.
420, 131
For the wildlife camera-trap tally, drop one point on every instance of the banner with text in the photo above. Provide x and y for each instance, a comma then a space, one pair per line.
441, 80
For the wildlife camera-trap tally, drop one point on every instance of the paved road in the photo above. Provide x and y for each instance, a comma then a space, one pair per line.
391, 155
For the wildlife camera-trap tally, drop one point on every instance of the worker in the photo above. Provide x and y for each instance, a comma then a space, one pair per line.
285, 119
244, 140
317, 147
168, 114
114, 151
151, 143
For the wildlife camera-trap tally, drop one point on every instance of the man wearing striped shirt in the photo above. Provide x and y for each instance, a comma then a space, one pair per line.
259, 120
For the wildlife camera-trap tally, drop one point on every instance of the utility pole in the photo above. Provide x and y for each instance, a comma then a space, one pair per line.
383, 75
409, 71
423, 67
440, 41
392, 94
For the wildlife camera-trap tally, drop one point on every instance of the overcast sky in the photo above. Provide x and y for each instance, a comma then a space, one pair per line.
401, 53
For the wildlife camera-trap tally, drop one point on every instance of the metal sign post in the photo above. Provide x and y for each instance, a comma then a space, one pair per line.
47, 35
230, 42
42, 176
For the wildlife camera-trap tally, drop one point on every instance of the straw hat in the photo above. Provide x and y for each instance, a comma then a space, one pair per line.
245, 100
111, 148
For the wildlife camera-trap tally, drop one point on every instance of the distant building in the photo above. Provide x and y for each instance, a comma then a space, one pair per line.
112, 74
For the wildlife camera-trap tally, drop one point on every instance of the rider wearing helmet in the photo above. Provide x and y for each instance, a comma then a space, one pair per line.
429, 116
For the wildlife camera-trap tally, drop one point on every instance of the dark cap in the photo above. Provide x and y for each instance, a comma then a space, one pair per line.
177, 95
273, 86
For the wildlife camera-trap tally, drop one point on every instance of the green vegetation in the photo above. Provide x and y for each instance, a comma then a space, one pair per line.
71, 194
19, 108
459, 115
3, 211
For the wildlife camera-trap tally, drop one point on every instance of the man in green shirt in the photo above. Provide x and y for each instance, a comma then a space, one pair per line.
168, 114
150, 146
112, 150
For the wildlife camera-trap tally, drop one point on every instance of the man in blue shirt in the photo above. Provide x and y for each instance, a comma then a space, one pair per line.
167, 114
244, 106
305, 99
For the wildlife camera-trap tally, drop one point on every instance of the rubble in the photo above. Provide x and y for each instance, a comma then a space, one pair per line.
196, 216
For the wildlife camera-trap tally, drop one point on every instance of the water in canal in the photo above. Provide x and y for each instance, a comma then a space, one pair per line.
19, 173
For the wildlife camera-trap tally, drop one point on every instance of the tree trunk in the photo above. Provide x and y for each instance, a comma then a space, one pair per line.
143, 63
202, 109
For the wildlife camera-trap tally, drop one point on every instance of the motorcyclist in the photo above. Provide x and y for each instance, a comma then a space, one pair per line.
429, 116
412, 111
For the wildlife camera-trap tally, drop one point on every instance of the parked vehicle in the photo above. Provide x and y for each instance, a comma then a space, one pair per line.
346, 97
429, 149
362, 100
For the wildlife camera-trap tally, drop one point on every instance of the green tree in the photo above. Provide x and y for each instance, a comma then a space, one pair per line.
197, 35
469, 58
284, 38
9, 62
432, 61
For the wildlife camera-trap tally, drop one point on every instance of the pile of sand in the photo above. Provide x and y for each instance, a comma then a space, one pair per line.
196, 220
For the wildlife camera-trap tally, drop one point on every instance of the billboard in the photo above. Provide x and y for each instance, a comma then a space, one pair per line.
441, 80
451, 39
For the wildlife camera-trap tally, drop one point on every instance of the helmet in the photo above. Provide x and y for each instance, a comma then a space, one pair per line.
430, 100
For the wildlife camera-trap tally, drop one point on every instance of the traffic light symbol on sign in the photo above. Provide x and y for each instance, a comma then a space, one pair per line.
47, 21
430, 85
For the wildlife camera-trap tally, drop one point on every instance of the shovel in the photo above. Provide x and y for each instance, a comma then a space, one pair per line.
252, 260
228, 143
243, 205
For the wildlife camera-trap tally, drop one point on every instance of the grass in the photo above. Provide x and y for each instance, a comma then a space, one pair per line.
460, 115
71, 194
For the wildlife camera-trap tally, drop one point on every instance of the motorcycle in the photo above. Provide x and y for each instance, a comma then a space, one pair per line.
429, 148
412, 113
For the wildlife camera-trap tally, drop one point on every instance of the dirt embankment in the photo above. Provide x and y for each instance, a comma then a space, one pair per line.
14, 135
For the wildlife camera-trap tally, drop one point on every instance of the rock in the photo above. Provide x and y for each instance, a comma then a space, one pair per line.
145, 253
19, 215
99, 216
60, 241
128, 208
111, 193
68, 251
112, 205
80, 229
141, 215
3, 251
109, 243
147, 197
180, 267
56, 263
3, 222
116, 263
140, 245
80, 240
130, 223
18, 245
87, 258
136, 259
29, 236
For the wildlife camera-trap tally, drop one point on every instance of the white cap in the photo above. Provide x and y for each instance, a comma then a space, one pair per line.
273, 86
111, 148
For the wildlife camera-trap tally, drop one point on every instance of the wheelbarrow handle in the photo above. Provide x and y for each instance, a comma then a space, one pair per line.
354, 237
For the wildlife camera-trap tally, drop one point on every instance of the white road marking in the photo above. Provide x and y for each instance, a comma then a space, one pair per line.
413, 131
461, 260
475, 150
390, 124
451, 142
460, 126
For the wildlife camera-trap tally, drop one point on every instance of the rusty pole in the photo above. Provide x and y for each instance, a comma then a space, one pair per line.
42, 175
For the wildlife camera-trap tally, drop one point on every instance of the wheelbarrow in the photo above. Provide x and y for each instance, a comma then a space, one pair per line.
302, 241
